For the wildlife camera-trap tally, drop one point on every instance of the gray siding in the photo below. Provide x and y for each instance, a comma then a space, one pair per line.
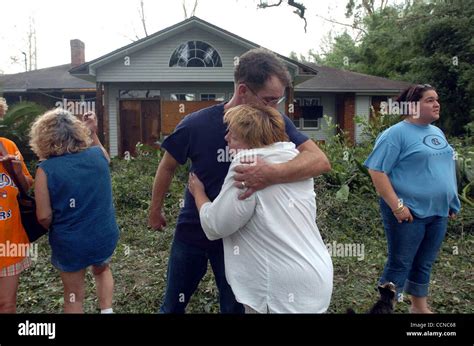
113, 108
328, 101
362, 109
152, 63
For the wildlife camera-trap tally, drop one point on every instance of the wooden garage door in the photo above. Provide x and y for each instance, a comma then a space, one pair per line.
139, 122
174, 111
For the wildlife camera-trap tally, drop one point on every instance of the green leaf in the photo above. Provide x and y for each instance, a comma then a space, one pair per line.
343, 193
362, 168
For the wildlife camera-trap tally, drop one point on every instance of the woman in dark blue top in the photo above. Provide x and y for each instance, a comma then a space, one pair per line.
74, 200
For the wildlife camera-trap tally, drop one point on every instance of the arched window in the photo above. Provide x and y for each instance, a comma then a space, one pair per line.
195, 54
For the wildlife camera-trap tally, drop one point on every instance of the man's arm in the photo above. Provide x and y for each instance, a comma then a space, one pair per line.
310, 162
164, 176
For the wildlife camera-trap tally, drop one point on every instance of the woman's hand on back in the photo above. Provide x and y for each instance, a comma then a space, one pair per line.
194, 184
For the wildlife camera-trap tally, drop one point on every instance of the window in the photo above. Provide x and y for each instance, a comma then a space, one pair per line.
213, 97
182, 97
195, 54
139, 94
308, 111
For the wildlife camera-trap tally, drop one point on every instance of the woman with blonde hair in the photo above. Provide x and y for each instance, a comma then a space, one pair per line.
275, 258
74, 200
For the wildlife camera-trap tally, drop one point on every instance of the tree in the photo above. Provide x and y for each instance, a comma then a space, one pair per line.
353, 9
362, 8
15, 125
426, 43
343, 53
444, 57
416, 41
30, 53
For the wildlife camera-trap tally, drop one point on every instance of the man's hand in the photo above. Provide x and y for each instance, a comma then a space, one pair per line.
156, 220
452, 215
253, 175
90, 120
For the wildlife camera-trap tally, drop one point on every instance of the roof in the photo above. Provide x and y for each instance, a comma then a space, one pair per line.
88, 68
330, 79
57, 77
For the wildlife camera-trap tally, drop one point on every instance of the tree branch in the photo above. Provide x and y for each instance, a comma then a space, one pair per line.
185, 12
300, 8
265, 5
353, 26
142, 17
194, 8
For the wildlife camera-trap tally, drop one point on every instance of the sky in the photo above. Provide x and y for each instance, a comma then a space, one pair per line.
105, 25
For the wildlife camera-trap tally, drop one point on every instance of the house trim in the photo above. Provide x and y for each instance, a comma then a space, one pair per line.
87, 70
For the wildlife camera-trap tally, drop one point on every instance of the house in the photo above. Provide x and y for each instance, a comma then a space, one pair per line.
150, 85
144, 89
342, 95
53, 86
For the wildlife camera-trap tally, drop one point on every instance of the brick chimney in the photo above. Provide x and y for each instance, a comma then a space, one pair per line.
77, 53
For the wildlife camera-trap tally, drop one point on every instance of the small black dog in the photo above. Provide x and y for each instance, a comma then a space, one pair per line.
386, 302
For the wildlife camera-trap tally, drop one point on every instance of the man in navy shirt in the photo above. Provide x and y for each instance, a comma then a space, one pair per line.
259, 77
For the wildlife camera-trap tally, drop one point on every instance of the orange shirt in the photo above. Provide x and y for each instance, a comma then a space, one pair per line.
12, 233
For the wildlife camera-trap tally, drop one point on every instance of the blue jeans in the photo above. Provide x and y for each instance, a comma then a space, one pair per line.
412, 250
187, 265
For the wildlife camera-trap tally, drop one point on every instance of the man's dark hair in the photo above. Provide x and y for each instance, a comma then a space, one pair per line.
256, 66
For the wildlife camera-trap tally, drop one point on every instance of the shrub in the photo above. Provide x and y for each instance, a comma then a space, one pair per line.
16, 123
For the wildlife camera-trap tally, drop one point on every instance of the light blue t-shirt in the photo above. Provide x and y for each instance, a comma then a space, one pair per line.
420, 164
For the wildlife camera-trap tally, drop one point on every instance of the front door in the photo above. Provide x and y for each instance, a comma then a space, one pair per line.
139, 122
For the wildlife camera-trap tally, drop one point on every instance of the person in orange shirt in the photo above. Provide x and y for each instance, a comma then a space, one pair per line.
13, 238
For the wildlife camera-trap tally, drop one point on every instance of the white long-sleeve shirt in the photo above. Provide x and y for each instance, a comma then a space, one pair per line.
275, 259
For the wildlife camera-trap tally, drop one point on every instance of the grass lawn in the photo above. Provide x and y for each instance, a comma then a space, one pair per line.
140, 261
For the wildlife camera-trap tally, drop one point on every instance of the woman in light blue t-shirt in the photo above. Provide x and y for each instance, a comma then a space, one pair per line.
413, 169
